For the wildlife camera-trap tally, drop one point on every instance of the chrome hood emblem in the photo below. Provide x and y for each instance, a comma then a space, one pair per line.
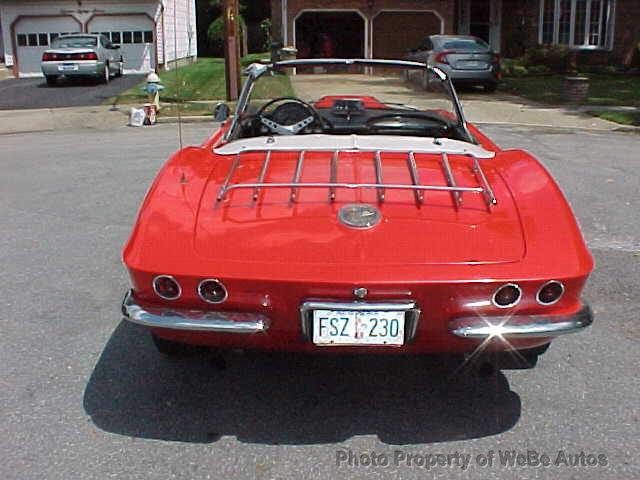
358, 215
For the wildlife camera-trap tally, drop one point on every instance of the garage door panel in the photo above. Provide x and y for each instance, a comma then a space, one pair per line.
33, 37
136, 36
394, 33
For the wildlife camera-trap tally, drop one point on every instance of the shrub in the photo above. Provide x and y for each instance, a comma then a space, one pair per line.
553, 57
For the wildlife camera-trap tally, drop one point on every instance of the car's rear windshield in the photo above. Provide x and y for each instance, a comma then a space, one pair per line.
74, 42
465, 44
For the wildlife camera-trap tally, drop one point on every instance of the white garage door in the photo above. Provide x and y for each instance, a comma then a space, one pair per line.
33, 36
135, 35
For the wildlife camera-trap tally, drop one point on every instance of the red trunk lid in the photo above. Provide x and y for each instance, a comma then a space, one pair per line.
275, 229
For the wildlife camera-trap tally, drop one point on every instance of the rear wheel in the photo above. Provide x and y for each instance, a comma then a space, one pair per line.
51, 79
121, 69
490, 87
106, 75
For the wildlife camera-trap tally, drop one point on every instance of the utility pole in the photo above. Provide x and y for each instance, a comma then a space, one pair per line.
232, 48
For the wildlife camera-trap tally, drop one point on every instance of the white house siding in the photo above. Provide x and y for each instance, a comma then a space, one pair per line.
184, 32
104, 16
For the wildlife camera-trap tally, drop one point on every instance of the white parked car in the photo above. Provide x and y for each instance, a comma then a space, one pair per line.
82, 55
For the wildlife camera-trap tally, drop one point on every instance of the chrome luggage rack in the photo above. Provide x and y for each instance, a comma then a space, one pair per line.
419, 189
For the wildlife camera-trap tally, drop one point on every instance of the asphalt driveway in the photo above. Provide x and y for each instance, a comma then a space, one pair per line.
85, 396
30, 93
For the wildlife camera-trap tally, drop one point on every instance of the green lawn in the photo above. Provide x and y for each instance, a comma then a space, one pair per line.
204, 80
625, 118
603, 89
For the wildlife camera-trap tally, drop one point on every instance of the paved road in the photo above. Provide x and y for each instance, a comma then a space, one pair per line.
86, 396
24, 93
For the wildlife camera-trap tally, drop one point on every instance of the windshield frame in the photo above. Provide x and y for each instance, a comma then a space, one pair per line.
257, 70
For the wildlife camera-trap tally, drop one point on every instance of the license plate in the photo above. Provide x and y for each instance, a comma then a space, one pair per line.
66, 68
346, 327
472, 64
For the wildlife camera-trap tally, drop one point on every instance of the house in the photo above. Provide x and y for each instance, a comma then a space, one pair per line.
601, 30
143, 28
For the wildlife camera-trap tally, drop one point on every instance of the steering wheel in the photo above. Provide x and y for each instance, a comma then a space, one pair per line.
290, 118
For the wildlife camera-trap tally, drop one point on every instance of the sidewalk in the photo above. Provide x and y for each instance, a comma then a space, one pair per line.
496, 109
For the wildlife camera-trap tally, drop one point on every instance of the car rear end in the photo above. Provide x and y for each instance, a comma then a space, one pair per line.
71, 62
289, 267
467, 60
73, 56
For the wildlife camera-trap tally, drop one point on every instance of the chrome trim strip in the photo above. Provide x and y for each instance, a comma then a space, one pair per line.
234, 165
153, 284
333, 177
521, 326
226, 293
377, 161
415, 177
487, 191
297, 175
451, 181
493, 297
544, 285
408, 306
352, 185
263, 174
199, 321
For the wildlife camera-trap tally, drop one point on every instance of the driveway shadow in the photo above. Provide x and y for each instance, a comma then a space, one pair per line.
289, 398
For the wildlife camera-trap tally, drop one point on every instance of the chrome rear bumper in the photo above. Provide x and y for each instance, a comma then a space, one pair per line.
521, 326
203, 321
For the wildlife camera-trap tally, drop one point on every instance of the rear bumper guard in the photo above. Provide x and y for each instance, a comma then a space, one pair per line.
193, 320
521, 326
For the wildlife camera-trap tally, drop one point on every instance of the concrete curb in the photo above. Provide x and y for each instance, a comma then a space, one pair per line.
188, 119
621, 128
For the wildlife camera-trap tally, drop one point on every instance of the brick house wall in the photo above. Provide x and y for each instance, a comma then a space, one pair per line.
519, 23
444, 10
520, 31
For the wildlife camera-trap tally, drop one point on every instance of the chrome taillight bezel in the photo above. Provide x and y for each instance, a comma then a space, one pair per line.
155, 288
510, 305
546, 304
204, 299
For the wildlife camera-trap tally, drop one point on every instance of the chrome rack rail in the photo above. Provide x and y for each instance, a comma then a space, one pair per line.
418, 189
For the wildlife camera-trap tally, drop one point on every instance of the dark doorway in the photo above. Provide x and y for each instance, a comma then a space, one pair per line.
330, 35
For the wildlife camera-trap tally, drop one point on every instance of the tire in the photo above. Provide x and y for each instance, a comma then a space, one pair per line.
169, 347
121, 69
106, 75
490, 87
51, 80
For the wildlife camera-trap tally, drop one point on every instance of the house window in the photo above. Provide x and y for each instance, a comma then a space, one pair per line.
148, 36
137, 37
115, 37
577, 23
127, 37
22, 40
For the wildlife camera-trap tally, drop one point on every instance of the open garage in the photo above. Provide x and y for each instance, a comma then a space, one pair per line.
326, 34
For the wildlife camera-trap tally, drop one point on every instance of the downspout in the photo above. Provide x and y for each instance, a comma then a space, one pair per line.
164, 36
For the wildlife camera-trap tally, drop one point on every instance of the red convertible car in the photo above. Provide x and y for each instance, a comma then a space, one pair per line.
356, 214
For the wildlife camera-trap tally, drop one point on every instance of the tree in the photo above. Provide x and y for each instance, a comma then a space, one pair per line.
215, 31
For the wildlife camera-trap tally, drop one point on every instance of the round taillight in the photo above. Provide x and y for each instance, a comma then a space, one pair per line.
550, 292
507, 296
212, 291
166, 287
